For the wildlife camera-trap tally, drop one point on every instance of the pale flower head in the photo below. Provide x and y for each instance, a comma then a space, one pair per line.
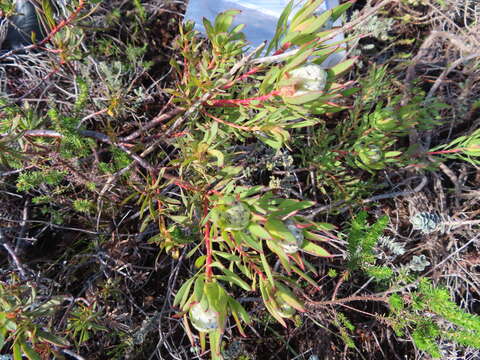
307, 78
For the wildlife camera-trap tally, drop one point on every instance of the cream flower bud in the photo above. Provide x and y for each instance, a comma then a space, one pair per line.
203, 320
288, 247
307, 78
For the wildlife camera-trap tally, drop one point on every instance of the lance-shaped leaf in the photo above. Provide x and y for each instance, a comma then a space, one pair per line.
52, 339
225, 20
267, 269
29, 352
258, 231
270, 303
239, 309
344, 66
230, 276
303, 99
282, 24
304, 13
199, 288
314, 249
279, 230
182, 294
289, 297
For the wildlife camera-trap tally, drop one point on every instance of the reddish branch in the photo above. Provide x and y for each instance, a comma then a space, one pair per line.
208, 243
180, 183
245, 102
240, 127
153, 123
244, 76
347, 300
63, 23
52, 33
284, 48
445, 151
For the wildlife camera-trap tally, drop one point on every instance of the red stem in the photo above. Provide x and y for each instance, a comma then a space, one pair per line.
238, 102
283, 48
240, 127
208, 244
445, 151
62, 23
244, 76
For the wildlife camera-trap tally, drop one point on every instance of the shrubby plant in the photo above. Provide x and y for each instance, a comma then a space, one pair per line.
20, 311
244, 229
240, 236
430, 314
427, 313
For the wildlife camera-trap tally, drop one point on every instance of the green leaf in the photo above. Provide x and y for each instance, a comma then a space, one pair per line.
282, 24
245, 239
339, 69
228, 256
300, 57
238, 308
245, 270
193, 251
305, 276
266, 268
314, 236
302, 99
48, 13
270, 78
198, 288
297, 38
273, 309
392, 154
50, 305
29, 352
232, 277
182, 294
209, 30
288, 206
200, 261
219, 155
224, 20
270, 303
215, 344
339, 10
287, 295
52, 339
279, 230
246, 193
314, 249
216, 296
304, 13
259, 231
272, 142
2, 340
238, 28
314, 23
17, 353
280, 253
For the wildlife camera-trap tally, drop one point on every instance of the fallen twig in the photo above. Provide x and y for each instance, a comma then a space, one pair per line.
14, 257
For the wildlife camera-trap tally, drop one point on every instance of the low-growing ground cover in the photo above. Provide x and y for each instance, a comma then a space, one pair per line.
166, 195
